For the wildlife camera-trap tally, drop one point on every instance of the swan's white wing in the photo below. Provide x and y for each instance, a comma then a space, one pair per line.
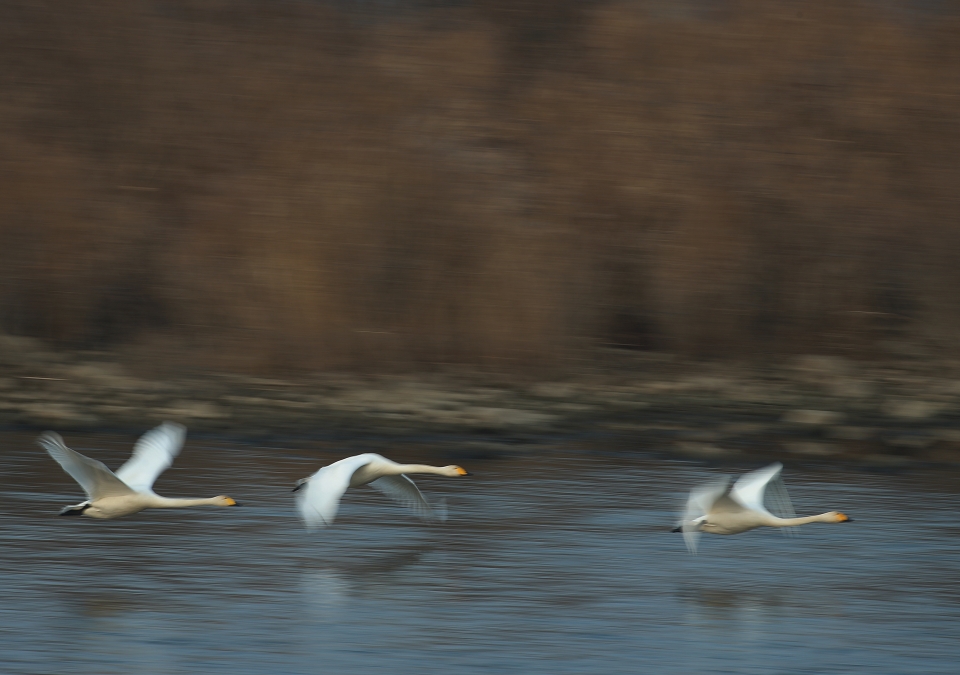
699, 504
94, 477
703, 497
319, 498
403, 491
152, 455
750, 488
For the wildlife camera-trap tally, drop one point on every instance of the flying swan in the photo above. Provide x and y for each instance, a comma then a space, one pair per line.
130, 489
717, 508
318, 496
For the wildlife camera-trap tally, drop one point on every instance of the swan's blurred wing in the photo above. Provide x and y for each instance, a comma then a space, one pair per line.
403, 491
152, 455
750, 487
319, 498
780, 504
703, 497
94, 477
700, 502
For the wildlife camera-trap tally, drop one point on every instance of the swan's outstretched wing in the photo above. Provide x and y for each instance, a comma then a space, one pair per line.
750, 487
94, 477
319, 497
699, 504
780, 504
403, 491
152, 455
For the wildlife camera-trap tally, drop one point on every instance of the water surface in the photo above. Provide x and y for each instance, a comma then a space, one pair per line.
549, 563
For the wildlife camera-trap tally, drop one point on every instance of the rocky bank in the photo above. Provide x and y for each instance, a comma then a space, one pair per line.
815, 408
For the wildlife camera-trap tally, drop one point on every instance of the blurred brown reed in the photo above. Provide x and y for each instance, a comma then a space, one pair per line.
270, 185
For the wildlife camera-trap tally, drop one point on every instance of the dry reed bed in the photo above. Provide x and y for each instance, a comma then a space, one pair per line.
279, 187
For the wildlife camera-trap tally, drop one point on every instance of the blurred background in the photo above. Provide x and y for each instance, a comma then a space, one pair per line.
274, 187
597, 252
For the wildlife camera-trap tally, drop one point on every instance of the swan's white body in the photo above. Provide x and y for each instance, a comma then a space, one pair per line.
717, 508
318, 496
130, 489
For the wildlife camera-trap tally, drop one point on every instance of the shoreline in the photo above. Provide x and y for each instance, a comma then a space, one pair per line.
809, 408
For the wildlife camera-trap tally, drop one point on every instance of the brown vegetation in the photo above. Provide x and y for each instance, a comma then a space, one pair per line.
272, 185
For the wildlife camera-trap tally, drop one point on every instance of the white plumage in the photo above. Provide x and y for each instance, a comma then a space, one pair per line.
130, 489
318, 496
716, 508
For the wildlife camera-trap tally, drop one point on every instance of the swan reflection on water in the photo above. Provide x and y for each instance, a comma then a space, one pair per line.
333, 583
745, 613
325, 590
749, 612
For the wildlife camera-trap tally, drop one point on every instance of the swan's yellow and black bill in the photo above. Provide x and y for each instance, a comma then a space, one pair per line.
844, 518
230, 501
463, 472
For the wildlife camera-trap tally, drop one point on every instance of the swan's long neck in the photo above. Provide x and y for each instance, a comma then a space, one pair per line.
168, 503
418, 468
829, 517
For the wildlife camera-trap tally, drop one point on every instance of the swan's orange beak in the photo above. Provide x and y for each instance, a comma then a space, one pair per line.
463, 472
844, 518
229, 501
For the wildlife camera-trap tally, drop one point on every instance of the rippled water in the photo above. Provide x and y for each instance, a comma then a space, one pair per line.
550, 563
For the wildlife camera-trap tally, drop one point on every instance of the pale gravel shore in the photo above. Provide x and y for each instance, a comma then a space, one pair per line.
811, 408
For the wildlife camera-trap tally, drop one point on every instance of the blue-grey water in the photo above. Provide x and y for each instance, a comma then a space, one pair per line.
549, 563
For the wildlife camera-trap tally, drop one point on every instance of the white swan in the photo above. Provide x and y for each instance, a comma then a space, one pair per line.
130, 489
318, 496
717, 508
